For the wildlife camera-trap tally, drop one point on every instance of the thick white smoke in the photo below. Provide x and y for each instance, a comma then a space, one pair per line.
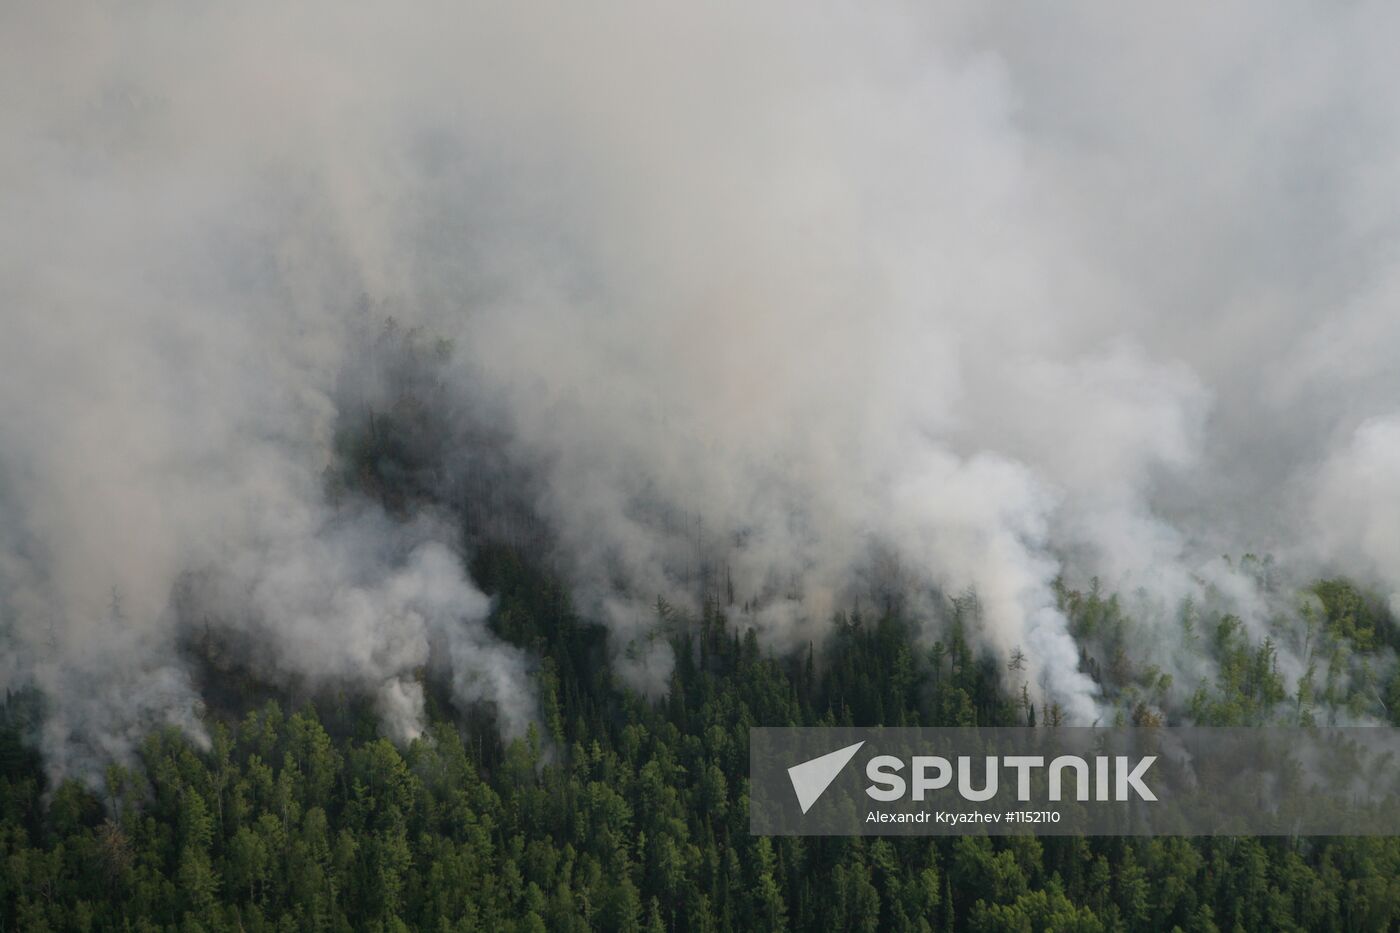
766, 301
1357, 510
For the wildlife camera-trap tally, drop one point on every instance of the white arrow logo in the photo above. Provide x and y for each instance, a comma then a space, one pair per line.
811, 778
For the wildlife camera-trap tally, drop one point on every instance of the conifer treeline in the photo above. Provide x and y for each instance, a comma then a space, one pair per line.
621, 813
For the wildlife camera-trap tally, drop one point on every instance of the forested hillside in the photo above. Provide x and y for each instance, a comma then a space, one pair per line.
626, 814
433, 436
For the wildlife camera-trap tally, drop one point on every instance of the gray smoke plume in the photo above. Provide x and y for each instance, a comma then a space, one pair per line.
782, 306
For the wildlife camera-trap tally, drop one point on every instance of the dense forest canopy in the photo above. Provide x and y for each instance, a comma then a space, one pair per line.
617, 812
431, 437
303, 803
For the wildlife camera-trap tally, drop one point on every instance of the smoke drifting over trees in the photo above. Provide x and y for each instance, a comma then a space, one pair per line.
791, 309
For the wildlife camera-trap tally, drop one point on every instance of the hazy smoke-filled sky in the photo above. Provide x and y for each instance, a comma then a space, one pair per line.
828, 300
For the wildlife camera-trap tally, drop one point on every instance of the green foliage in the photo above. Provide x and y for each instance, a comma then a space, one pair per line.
625, 814
1353, 614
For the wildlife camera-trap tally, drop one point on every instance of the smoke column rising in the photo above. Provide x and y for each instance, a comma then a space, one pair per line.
819, 300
